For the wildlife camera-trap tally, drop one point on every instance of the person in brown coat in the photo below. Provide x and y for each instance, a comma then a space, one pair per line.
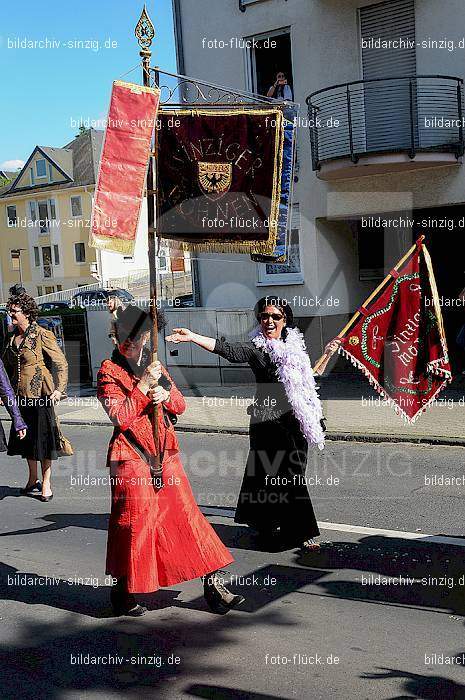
29, 349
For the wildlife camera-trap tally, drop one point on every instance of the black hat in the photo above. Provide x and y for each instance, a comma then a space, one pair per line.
280, 303
133, 322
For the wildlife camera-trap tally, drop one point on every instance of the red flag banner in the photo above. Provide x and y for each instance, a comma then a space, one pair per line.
399, 342
220, 179
123, 167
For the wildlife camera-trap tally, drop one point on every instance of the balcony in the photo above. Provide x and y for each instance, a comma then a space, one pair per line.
386, 125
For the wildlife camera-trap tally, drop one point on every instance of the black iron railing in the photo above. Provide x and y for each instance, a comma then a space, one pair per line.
400, 114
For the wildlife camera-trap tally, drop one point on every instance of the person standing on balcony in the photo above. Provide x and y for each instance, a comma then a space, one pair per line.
28, 348
286, 416
280, 90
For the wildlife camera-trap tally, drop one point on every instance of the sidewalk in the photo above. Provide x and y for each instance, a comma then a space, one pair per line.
353, 412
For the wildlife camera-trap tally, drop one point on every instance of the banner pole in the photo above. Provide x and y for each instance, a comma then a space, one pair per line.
378, 289
145, 33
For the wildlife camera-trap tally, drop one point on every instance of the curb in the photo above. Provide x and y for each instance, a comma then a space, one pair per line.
332, 435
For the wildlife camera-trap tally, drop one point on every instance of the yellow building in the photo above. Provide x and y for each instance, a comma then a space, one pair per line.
44, 218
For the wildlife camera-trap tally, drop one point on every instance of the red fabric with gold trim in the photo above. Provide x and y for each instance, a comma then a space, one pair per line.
123, 167
399, 344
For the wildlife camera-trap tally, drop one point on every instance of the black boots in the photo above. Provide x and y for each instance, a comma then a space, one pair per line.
217, 596
124, 603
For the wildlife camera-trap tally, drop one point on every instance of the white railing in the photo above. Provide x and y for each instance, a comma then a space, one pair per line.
137, 282
67, 294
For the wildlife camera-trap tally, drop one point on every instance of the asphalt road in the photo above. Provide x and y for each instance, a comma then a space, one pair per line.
369, 617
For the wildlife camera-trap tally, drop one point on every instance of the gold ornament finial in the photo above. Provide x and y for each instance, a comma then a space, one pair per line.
145, 30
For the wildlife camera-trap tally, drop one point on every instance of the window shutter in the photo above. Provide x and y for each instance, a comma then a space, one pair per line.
387, 21
385, 106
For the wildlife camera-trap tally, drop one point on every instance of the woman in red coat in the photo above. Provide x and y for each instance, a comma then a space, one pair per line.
157, 535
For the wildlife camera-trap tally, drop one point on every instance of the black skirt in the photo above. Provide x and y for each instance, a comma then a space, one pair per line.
42, 439
274, 492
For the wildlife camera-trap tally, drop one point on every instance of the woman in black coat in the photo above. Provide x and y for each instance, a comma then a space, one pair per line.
286, 416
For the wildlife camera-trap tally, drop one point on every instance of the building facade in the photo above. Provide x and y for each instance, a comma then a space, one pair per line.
45, 212
379, 151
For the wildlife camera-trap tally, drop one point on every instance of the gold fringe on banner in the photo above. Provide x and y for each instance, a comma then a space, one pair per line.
218, 246
135, 87
114, 245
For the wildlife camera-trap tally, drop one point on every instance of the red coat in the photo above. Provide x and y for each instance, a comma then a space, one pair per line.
155, 538
130, 410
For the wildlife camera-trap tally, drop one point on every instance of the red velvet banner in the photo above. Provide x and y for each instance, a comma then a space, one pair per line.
399, 343
220, 179
123, 166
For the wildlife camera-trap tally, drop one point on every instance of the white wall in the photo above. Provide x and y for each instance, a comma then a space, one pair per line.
114, 264
326, 51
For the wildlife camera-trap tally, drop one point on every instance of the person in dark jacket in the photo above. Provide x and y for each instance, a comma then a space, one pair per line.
286, 416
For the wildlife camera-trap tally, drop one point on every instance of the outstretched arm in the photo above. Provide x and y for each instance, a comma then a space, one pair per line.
184, 335
234, 352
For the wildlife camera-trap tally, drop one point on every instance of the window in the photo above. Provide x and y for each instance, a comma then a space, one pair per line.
39, 290
49, 290
59, 287
15, 259
162, 261
33, 211
76, 206
41, 168
56, 254
31, 172
47, 261
50, 172
47, 213
44, 221
80, 252
289, 272
36, 256
270, 55
370, 253
385, 128
11, 215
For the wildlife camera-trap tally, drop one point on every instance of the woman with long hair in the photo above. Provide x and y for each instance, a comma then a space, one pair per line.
286, 416
157, 536
28, 348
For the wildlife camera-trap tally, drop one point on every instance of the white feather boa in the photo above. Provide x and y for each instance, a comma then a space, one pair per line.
294, 370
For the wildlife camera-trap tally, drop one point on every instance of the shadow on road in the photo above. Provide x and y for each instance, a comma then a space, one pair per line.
395, 572
7, 491
53, 659
60, 521
217, 692
423, 687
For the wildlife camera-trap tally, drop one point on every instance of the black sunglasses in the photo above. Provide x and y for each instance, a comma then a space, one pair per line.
276, 317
